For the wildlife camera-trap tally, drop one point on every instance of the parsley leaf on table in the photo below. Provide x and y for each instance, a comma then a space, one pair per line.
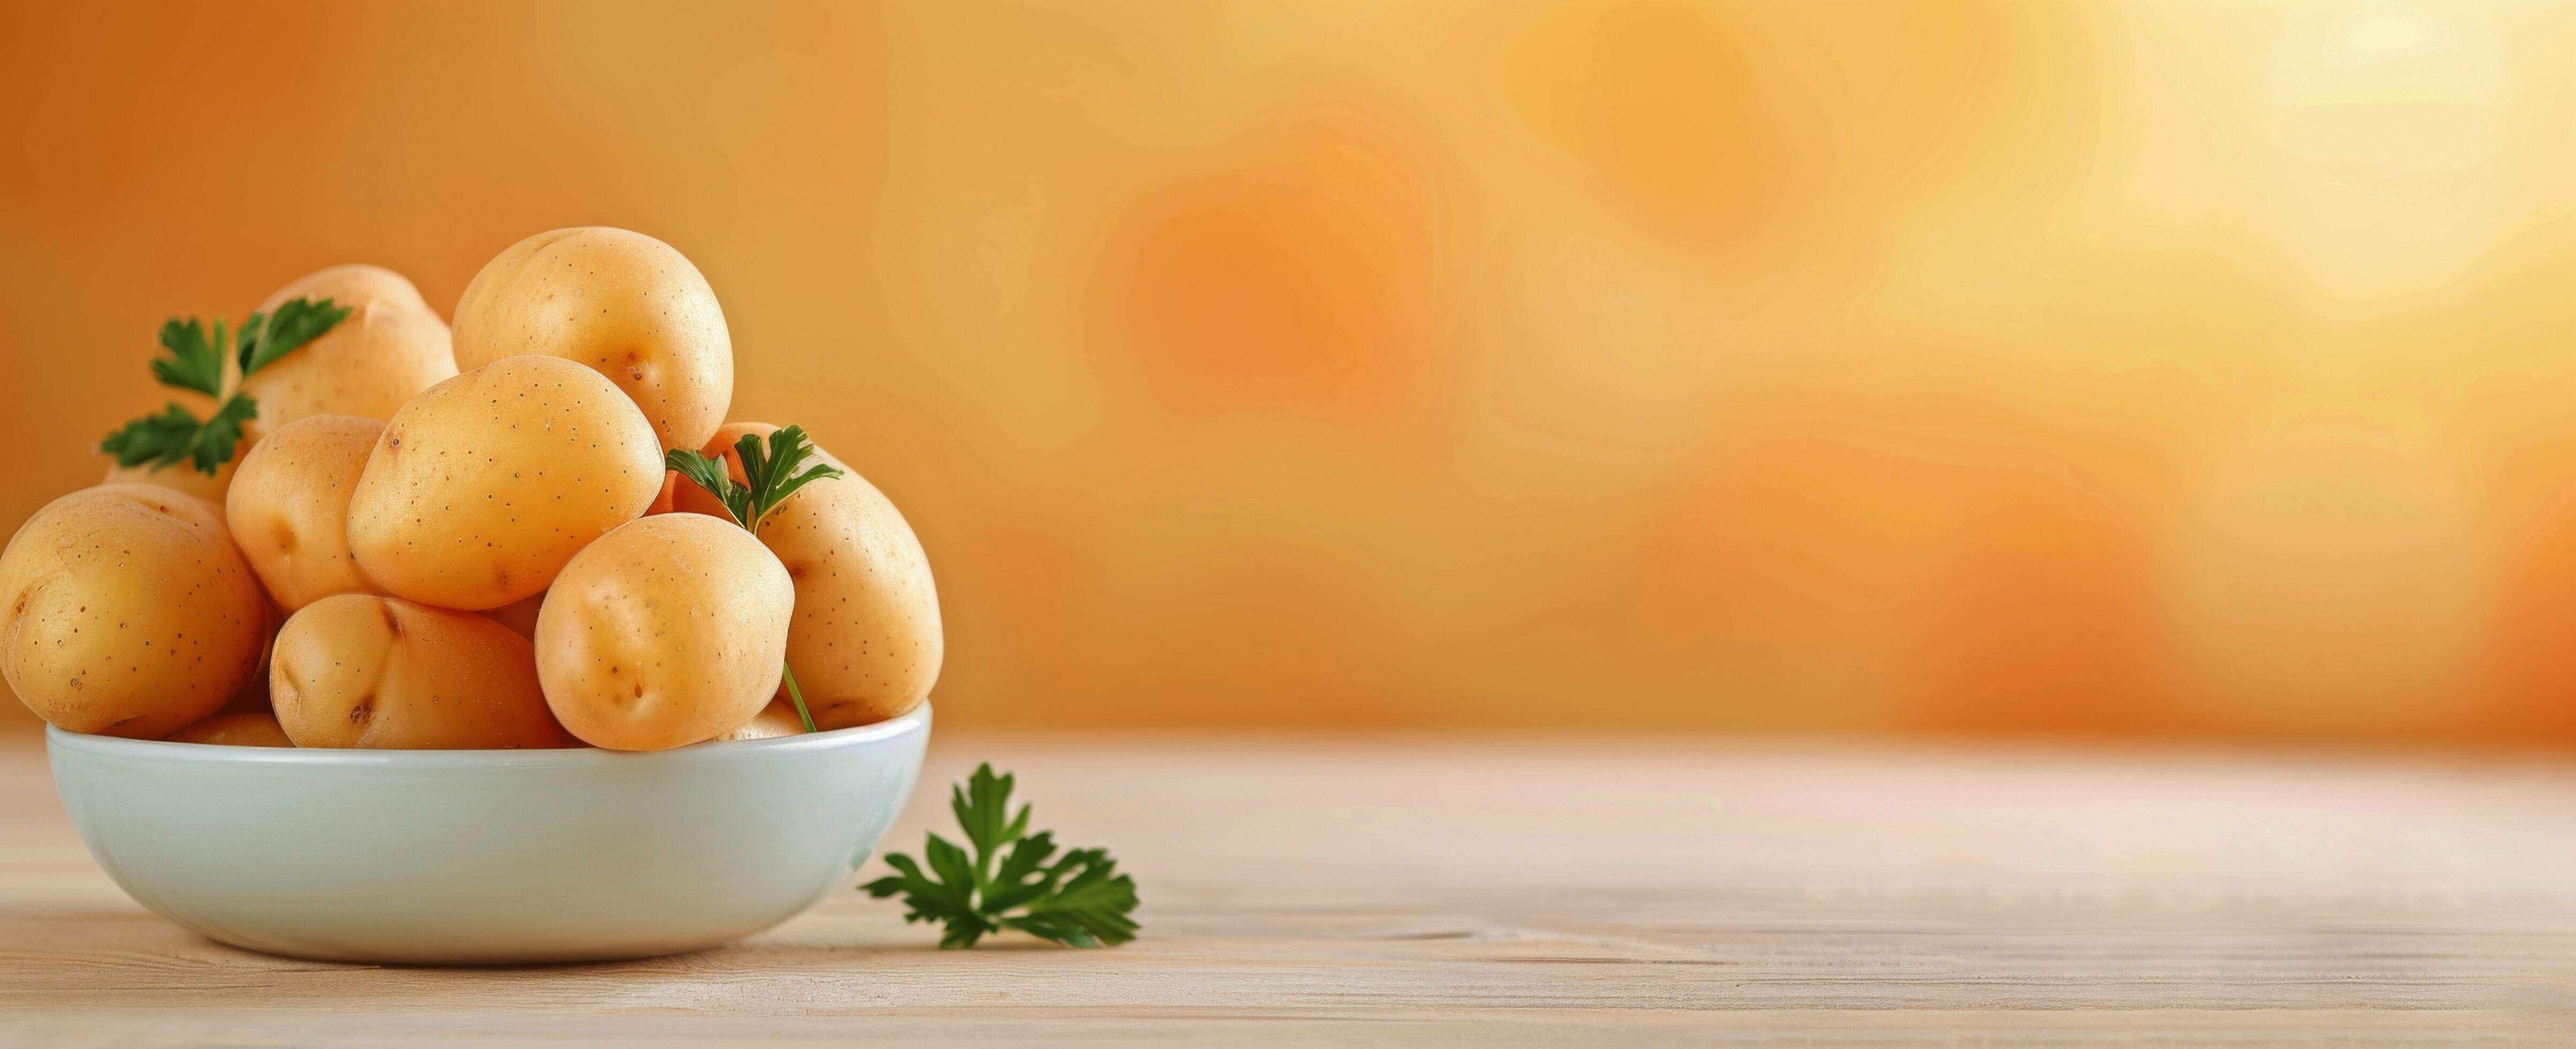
1078, 899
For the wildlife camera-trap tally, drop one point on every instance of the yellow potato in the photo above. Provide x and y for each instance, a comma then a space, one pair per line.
390, 347
235, 730
665, 632
289, 508
775, 720
617, 301
358, 670
128, 612
867, 643
480, 489
182, 477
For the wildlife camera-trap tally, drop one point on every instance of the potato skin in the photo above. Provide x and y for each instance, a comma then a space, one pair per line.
235, 730
481, 489
617, 301
775, 720
182, 477
358, 670
867, 643
127, 612
388, 349
289, 508
666, 632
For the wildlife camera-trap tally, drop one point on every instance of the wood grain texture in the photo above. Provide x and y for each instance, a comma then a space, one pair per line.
1450, 892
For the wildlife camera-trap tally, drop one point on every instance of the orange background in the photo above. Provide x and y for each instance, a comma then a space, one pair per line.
2144, 368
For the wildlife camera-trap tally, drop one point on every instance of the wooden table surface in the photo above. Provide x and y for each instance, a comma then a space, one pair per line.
1429, 891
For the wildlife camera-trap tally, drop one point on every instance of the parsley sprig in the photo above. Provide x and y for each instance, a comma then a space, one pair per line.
196, 363
1078, 899
769, 478
771, 473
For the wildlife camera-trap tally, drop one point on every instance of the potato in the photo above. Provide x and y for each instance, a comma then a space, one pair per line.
182, 477
665, 632
867, 642
775, 720
357, 670
621, 302
388, 349
289, 508
479, 490
129, 612
235, 730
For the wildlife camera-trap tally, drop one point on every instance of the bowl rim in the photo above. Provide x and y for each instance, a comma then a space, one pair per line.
913, 721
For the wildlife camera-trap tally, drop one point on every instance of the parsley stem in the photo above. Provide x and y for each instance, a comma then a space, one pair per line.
797, 695
769, 476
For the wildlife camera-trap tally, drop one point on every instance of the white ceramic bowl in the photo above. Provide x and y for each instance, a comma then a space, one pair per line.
476, 856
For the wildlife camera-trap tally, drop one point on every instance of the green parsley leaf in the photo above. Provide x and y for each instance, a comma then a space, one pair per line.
771, 479
223, 432
773, 474
769, 474
709, 473
175, 435
194, 362
1078, 899
296, 322
157, 439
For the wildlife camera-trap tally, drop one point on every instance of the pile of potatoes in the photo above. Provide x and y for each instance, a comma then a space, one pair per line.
467, 539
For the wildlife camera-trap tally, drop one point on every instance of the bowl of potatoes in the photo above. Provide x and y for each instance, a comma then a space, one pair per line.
483, 643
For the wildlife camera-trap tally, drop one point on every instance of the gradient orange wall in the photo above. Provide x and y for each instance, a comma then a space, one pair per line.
2140, 368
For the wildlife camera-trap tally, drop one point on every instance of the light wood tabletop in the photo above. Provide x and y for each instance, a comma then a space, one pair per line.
1425, 891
